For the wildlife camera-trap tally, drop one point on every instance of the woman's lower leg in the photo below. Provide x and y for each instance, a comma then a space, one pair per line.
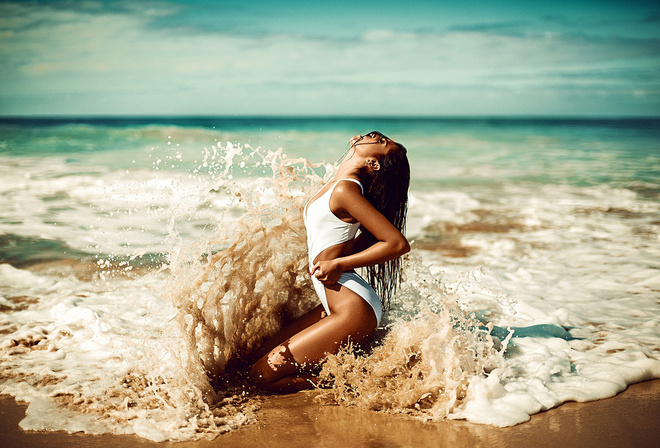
283, 368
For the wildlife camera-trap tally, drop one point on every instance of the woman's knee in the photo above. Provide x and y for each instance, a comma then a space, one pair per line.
259, 376
277, 364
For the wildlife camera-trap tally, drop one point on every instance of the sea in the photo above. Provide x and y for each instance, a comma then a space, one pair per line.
142, 260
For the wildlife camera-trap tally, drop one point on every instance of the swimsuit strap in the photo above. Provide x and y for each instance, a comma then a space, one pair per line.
352, 180
330, 190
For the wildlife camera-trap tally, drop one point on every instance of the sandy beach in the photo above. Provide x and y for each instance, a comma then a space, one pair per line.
629, 419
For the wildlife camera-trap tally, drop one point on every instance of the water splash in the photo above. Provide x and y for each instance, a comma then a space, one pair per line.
145, 352
425, 362
237, 287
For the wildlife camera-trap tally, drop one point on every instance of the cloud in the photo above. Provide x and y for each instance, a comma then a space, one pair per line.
513, 27
126, 59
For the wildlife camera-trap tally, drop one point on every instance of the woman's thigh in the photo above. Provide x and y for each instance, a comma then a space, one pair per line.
351, 319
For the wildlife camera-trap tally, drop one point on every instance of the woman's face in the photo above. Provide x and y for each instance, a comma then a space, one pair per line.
373, 144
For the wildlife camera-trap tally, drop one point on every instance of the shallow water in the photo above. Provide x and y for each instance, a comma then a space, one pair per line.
140, 256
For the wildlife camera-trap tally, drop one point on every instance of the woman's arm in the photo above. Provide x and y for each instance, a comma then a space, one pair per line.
348, 200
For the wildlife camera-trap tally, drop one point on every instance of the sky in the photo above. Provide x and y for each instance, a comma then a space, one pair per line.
334, 58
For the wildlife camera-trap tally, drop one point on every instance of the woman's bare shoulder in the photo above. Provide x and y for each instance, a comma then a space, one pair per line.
347, 195
348, 186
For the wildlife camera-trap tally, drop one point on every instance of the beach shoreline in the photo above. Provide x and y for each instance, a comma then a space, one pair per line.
626, 420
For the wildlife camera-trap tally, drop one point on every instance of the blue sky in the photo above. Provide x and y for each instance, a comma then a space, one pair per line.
392, 58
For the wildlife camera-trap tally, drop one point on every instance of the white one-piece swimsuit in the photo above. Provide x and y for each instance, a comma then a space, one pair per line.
324, 230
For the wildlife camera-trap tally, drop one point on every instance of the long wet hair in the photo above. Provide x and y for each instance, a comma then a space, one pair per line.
387, 191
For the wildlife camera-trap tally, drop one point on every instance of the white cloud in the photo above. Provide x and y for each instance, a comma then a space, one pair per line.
129, 67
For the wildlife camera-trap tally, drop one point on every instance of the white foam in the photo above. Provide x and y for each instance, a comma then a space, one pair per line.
585, 262
583, 259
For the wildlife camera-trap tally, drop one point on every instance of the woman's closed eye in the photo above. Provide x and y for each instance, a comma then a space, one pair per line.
377, 135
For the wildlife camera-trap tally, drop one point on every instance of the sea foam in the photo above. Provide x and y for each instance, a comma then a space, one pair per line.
115, 347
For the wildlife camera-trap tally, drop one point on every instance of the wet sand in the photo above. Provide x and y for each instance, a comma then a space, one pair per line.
631, 419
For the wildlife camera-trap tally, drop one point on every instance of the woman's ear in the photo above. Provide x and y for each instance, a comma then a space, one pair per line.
373, 164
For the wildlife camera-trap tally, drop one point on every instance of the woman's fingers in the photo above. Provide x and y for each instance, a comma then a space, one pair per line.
318, 272
323, 275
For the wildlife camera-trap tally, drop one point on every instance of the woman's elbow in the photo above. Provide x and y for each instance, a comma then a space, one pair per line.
402, 246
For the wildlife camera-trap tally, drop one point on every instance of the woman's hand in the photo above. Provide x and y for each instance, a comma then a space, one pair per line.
327, 271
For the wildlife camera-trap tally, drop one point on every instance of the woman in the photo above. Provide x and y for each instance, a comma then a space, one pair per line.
370, 193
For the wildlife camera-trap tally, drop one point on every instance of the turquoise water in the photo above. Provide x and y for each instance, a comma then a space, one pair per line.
560, 150
479, 157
